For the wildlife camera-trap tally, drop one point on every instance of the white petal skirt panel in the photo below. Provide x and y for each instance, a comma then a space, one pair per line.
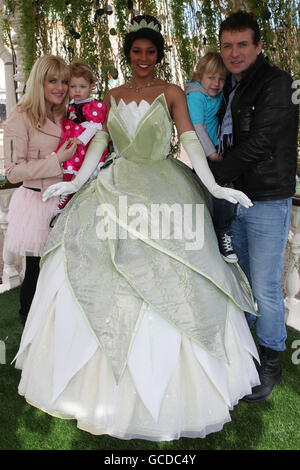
171, 387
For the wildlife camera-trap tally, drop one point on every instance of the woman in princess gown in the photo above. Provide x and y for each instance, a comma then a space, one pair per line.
134, 334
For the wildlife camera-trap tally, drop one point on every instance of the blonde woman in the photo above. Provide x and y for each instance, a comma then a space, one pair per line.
31, 133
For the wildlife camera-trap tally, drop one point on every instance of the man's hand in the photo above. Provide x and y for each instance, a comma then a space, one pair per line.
215, 157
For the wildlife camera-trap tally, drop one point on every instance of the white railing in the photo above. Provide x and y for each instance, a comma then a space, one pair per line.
292, 281
2, 96
10, 276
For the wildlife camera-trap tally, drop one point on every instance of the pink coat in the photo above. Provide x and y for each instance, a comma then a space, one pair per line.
27, 151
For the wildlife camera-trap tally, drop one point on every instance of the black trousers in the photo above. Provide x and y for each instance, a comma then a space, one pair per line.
28, 285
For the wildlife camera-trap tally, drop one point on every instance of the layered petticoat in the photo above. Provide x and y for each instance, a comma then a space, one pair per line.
28, 222
171, 387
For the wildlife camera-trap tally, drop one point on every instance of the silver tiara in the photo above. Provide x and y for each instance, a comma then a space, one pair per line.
143, 24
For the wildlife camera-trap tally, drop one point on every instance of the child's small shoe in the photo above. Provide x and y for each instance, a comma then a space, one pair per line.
63, 201
226, 249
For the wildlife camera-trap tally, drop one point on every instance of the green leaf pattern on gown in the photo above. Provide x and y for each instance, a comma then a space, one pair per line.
114, 281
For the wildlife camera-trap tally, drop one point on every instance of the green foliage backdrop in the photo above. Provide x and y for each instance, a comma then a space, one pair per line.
93, 30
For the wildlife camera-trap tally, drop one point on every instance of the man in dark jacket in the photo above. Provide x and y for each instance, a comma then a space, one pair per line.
259, 128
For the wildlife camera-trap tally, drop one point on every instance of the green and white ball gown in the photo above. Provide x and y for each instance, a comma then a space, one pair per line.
131, 336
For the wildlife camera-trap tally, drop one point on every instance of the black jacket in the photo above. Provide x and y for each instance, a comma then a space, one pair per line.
262, 161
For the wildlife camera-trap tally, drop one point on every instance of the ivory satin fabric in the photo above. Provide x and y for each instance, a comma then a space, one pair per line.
133, 336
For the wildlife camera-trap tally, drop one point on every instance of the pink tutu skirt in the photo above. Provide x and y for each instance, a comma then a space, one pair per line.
28, 222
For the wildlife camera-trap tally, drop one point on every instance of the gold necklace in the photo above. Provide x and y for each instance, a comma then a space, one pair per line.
138, 88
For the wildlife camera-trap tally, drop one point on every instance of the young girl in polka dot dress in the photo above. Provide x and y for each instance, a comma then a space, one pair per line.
84, 118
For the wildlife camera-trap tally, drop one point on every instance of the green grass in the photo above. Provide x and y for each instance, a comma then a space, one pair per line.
270, 425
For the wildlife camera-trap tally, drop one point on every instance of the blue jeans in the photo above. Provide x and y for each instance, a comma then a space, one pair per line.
259, 236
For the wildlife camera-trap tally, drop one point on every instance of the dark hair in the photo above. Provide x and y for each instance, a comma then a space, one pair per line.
145, 33
239, 21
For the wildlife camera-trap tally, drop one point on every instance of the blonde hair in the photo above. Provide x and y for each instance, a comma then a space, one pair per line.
211, 62
80, 69
33, 101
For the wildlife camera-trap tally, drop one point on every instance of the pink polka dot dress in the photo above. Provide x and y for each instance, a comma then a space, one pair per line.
83, 120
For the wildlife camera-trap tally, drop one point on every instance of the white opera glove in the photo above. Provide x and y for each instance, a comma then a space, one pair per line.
90, 162
198, 159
